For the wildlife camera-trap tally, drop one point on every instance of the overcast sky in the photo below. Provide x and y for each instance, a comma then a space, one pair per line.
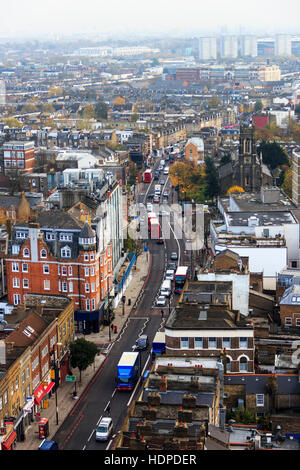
189, 17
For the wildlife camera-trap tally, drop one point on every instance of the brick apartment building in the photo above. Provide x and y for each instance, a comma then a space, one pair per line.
18, 156
58, 255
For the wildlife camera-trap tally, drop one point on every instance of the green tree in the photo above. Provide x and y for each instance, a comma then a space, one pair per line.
225, 159
214, 102
212, 181
273, 154
29, 108
12, 122
101, 109
258, 106
82, 354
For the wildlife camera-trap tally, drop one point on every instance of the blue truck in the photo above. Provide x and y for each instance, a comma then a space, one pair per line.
158, 345
128, 370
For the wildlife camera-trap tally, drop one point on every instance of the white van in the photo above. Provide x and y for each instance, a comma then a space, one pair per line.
149, 207
166, 288
170, 275
162, 163
166, 170
104, 430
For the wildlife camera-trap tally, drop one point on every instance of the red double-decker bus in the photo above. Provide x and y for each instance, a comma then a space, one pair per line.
147, 177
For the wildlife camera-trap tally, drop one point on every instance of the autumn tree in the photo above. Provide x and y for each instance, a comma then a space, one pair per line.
47, 108
88, 111
287, 182
12, 122
55, 91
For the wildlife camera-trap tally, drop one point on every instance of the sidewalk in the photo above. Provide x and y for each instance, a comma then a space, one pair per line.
65, 398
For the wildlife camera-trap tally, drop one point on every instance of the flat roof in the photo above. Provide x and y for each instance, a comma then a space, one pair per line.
206, 363
264, 218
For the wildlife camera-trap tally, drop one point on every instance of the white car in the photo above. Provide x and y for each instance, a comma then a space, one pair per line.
161, 301
170, 275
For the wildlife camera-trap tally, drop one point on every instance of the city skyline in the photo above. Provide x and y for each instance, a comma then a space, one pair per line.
134, 18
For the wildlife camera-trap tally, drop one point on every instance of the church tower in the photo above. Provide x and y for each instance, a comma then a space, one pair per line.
248, 170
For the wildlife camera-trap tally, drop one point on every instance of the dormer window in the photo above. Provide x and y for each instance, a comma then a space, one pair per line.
43, 253
26, 252
65, 252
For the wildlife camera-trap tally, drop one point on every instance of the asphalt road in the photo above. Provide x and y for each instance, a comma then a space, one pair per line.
78, 430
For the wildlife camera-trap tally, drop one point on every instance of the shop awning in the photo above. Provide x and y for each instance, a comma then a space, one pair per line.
6, 445
41, 392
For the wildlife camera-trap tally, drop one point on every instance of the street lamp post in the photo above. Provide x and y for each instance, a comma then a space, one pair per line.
56, 377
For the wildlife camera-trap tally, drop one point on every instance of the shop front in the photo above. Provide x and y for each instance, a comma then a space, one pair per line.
41, 396
9, 439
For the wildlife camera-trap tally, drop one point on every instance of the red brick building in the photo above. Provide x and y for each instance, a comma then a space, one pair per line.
59, 256
18, 156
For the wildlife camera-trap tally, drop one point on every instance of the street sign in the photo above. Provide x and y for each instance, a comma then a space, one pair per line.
70, 378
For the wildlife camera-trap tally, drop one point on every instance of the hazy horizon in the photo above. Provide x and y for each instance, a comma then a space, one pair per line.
35, 19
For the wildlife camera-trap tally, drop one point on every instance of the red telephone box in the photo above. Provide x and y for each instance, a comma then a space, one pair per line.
43, 428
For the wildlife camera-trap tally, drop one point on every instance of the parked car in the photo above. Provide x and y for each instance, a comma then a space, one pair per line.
161, 301
174, 256
104, 430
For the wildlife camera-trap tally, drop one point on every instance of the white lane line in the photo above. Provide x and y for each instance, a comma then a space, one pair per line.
106, 448
91, 435
132, 395
114, 392
107, 406
99, 420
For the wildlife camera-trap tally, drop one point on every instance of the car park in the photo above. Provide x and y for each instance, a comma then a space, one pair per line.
104, 430
161, 301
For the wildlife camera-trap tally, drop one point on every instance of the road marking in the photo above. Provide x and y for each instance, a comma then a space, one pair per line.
107, 406
114, 392
109, 444
99, 420
91, 435
132, 395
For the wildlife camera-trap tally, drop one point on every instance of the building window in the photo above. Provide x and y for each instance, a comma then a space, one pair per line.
297, 321
15, 267
26, 283
26, 253
25, 268
243, 364
288, 321
184, 343
212, 343
64, 270
46, 284
66, 252
43, 253
16, 282
50, 236
92, 271
86, 272
243, 343
65, 287
70, 286
21, 235
226, 343
88, 304
93, 287
92, 256
70, 271
17, 299
198, 344
93, 304
86, 257
46, 269
65, 237
228, 364
87, 288
260, 399
15, 249
294, 264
